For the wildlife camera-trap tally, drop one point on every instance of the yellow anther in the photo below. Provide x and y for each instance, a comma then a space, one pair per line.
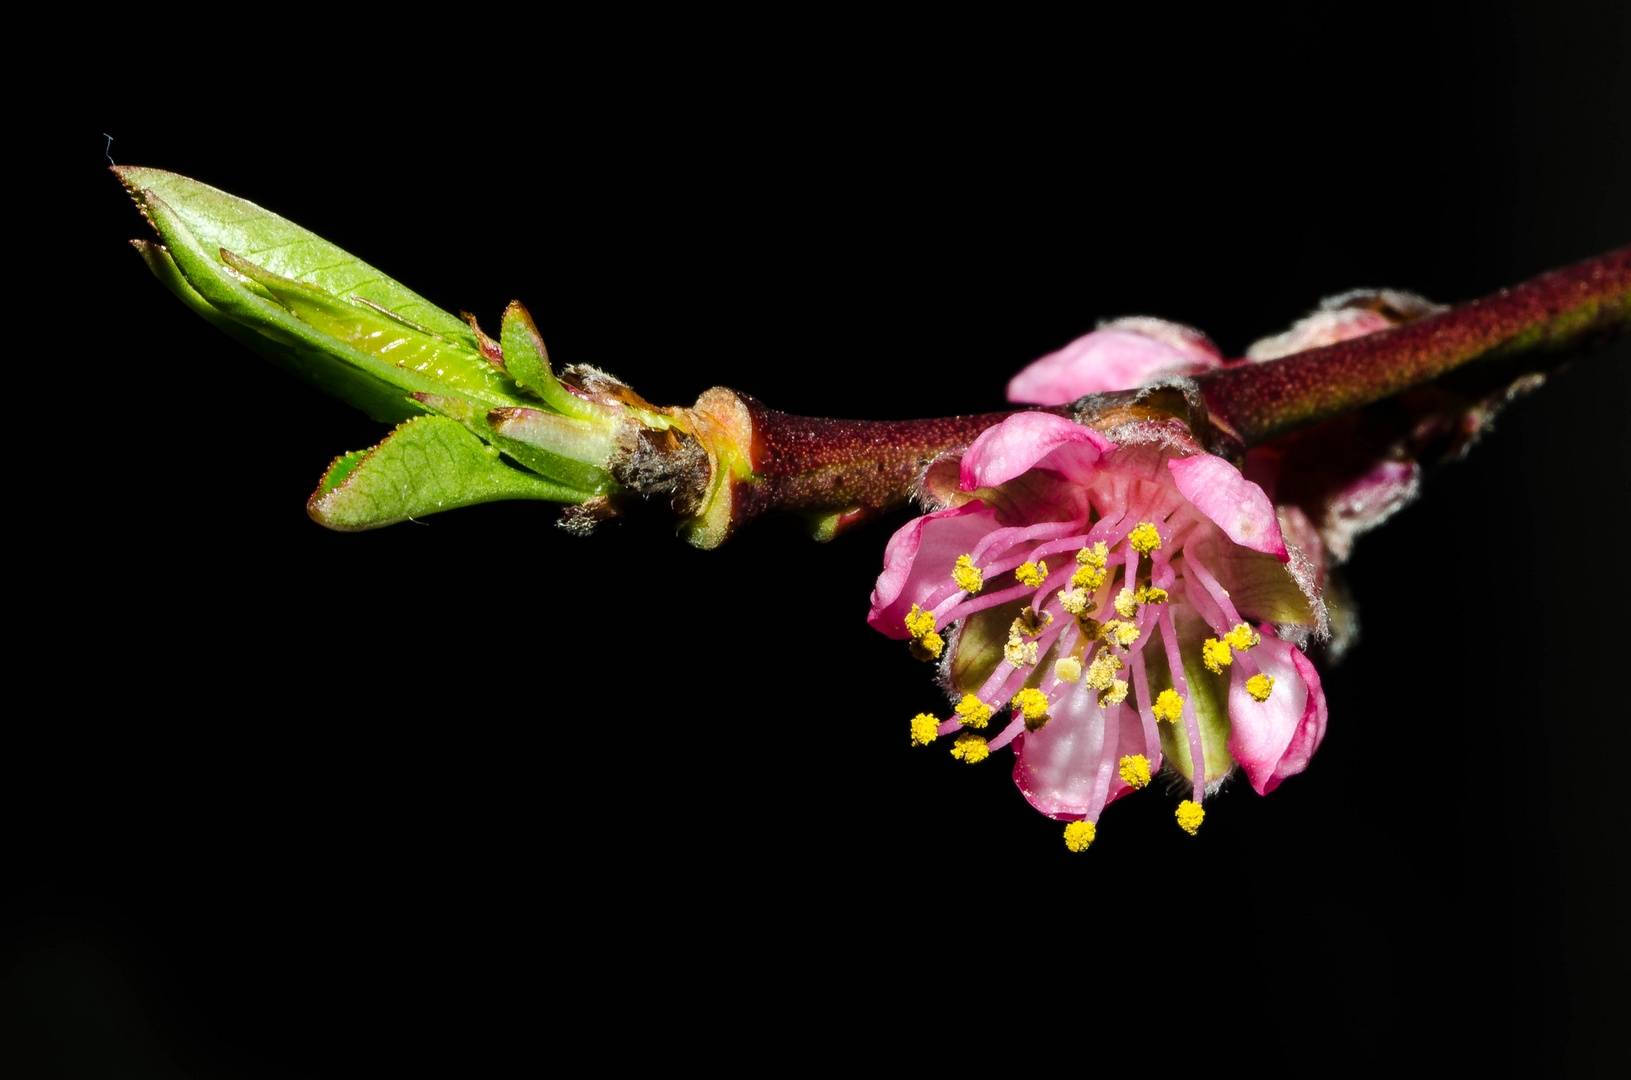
1029, 623
1032, 574
1144, 539
1019, 653
1067, 669
970, 748
1101, 673
1135, 770
967, 575
1097, 557
1032, 702
1079, 835
1087, 577
1119, 633
1074, 601
1126, 603
1189, 816
1168, 706
1260, 687
923, 729
928, 646
1115, 695
1152, 596
1242, 637
1215, 655
975, 713
1089, 627
919, 623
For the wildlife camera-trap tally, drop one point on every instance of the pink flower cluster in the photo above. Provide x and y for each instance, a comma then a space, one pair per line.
1107, 603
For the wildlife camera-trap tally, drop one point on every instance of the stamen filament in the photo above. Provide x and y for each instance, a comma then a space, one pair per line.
1204, 603
1112, 529
1003, 539
962, 605
1141, 686
1009, 733
1220, 596
1109, 760
1192, 726
1004, 682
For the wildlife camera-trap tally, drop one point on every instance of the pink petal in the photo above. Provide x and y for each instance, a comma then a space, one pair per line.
1306, 739
1320, 328
1238, 506
1367, 502
1274, 739
1128, 354
1032, 440
1058, 765
919, 560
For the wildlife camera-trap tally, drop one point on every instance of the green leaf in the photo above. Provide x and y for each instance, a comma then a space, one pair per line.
381, 400
220, 220
319, 356
383, 335
426, 465
364, 338
527, 361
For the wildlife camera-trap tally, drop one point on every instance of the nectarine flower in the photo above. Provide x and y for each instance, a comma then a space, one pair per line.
1122, 603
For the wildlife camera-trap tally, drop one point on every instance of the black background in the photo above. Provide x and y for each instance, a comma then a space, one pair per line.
294, 803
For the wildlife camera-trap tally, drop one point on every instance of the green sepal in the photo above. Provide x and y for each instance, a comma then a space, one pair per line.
1260, 586
979, 645
823, 527
426, 465
1208, 693
478, 420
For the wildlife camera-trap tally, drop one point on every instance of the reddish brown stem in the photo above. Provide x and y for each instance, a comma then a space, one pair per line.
845, 471
1565, 309
855, 468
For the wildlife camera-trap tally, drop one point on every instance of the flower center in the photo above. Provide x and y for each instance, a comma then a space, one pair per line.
1088, 634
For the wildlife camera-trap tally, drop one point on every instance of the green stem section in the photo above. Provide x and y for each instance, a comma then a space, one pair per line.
1567, 309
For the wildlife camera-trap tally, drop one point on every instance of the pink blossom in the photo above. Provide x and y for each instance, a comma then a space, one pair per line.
1340, 318
1122, 354
1106, 608
1343, 484
1330, 483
